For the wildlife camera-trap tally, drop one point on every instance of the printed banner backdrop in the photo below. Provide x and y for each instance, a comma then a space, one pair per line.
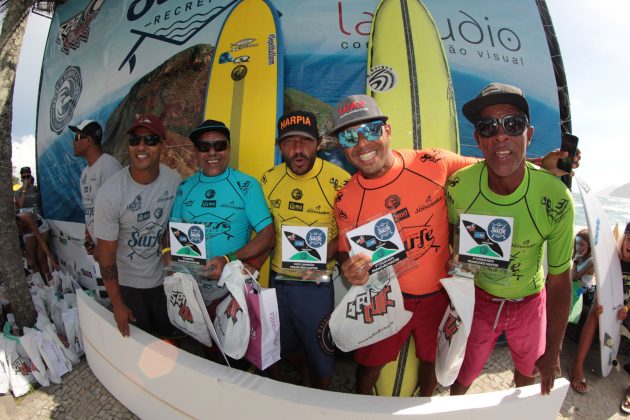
109, 60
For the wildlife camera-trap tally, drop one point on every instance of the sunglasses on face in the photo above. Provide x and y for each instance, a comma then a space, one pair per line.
218, 146
150, 140
371, 131
513, 125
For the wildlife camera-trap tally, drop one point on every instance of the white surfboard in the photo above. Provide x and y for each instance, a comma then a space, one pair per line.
607, 275
158, 381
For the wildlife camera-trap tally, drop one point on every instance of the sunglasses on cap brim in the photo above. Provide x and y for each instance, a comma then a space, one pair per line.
371, 131
205, 146
513, 125
148, 140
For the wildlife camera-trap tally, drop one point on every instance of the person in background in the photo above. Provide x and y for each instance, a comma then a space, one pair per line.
100, 166
624, 258
27, 196
130, 220
35, 233
583, 267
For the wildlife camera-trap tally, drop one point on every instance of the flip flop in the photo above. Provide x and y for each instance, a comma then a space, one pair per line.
579, 385
625, 403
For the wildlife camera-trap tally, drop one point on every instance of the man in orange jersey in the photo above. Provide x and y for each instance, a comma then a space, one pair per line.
409, 184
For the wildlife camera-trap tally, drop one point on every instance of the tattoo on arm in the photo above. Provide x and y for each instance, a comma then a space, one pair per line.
109, 272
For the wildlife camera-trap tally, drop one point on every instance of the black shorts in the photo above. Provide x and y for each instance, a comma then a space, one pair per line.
149, 309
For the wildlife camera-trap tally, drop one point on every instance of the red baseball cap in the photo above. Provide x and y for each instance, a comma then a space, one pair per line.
151, 122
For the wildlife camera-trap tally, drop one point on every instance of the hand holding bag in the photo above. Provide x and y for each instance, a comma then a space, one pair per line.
369, 313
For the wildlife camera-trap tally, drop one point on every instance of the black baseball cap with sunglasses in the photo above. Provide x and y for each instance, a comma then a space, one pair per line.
210, 125
87, 128
495, 94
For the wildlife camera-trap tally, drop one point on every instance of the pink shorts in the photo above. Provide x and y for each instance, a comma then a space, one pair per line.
428, 311
525, 326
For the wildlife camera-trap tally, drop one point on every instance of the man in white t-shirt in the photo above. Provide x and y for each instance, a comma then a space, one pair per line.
130, 220
100, 166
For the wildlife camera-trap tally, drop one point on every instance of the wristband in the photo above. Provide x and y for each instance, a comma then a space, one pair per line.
232, 256
165, 250
227, 259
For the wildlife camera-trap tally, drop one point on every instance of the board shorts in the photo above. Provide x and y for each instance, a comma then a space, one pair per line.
149, 309
524, 322
428, 311
305, 309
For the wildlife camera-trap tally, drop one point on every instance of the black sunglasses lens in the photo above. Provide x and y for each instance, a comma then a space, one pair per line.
150, 140
134, 140
204, 146
487, 127
514, 125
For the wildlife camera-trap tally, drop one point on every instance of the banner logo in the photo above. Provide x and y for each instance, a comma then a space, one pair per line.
77, 28
177, 32
67, 93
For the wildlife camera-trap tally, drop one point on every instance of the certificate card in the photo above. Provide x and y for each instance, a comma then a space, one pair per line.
188, 243
304, 247
380, 240
485, 240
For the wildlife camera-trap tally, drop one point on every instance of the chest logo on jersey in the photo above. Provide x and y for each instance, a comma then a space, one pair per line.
400, 215
232, 205
555, 212
336, 184
166, 197
297, 194
244, 186
428, 204
419, 240
296, 206
136, 204
145, 241
208, 203
210, 193
428, 157
452, 182
392, 202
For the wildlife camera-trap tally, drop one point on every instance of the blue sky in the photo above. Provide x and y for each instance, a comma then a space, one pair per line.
592, 38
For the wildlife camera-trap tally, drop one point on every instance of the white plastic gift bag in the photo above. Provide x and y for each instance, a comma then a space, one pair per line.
73, 330
184, 311
38, 368
454, 328
5, 385
369, 313
20, 376
232, 317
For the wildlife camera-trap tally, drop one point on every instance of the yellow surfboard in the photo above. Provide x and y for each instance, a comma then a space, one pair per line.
409, 77
246, 84
400, 377
246, 88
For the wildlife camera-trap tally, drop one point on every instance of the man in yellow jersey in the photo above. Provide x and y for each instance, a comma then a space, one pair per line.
300, 193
